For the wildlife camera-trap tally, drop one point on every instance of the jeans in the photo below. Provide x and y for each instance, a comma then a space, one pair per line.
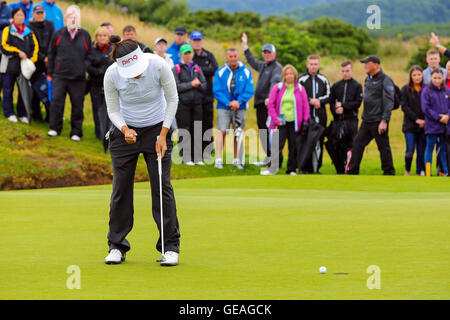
8, 87
432, 139
415, 141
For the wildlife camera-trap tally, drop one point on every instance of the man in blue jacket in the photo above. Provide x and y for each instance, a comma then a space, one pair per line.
174, 49
232, 88
53, 13
27, 6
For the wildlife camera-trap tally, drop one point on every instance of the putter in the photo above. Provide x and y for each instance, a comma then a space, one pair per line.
161, 205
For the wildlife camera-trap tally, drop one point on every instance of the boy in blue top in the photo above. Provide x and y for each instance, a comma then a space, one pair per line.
232, 88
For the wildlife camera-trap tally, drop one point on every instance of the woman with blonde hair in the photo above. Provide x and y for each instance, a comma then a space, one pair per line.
288, 109
98, 61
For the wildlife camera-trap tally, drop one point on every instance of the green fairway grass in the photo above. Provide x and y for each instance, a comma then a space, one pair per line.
247, 237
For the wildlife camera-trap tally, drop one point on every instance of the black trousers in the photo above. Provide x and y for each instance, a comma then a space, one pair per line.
287, 132
76, 90
322, 115
186, 115
124, 159
448, 149
99, 112
207, 122
261, 119
351, 126
366, 133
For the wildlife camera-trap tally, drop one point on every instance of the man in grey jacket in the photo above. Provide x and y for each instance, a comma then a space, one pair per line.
379, 97
269, 75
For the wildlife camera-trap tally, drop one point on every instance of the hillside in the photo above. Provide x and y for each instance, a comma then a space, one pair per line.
263, 7
30, 159
393, 12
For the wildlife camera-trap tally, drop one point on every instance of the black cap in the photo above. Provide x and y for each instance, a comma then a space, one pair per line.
372, 58
180, 30
38, 8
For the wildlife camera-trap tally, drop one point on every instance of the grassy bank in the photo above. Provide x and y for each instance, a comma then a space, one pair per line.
30, 159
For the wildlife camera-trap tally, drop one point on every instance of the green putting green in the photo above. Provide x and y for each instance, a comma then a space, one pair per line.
241, 238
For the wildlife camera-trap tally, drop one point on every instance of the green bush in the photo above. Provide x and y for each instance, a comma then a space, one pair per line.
336, 37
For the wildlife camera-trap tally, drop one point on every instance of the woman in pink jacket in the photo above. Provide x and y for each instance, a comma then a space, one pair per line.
288, 109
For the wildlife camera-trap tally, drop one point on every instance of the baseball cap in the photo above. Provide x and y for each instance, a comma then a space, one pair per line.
38, 8
160, 39
180, 30
133, 64
186, 48
372, 58
269, 47
196, 35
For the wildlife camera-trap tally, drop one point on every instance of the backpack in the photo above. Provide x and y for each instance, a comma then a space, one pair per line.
397, 95
177, 66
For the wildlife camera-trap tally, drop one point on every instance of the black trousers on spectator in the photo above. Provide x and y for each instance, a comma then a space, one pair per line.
98, 112
76, 90
36, 112
322, 115
366, 133
448, 149
207, 121
186, 115
261, 119
351, 126
287, 132
124, 159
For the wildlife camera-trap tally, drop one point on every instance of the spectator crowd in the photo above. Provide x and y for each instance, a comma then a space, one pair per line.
48, 55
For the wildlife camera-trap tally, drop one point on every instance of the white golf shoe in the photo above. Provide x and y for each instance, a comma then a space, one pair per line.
170, 258
52, 133
115, 257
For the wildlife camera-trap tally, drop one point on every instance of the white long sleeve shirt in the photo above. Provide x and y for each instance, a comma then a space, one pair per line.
142, 102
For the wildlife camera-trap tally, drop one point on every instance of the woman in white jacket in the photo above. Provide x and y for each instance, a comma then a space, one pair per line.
141, 98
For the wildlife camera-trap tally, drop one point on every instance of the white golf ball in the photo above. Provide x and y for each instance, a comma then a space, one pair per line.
323, 270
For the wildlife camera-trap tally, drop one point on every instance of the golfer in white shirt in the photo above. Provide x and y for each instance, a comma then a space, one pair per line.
141, 98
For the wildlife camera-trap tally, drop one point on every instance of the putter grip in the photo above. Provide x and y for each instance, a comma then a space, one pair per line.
159, 161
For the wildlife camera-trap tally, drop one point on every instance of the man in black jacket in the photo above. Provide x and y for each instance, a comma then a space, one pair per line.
317, 87
129, 32
379, 96
269, 74
345, 100
208, 64
67, 57
191, 85
43, 29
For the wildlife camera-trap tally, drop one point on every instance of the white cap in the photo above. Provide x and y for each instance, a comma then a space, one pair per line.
160, 39
133, 64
